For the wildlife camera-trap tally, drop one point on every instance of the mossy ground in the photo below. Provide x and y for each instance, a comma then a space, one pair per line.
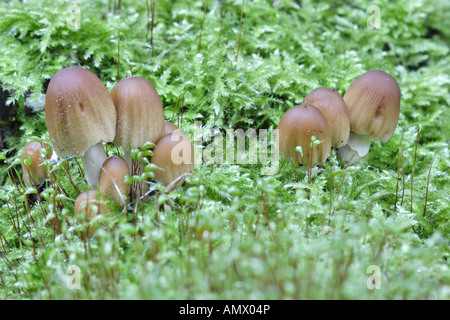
230, 232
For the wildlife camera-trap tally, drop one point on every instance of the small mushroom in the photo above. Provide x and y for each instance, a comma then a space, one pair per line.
88, 205
112, 179
140, 115
333, 108
373, 102
174, 155
169, 127
80, 115
36, 171
297, 127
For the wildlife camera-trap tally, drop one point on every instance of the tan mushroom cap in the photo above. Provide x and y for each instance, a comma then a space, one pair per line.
333, 108
140, 115
112, 179
373, 102
296, 128
169, 127
37, 168
79, 111
85, 204
84, 201
174, 154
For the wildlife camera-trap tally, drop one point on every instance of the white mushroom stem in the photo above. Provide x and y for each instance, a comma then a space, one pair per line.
93, 160
358, 146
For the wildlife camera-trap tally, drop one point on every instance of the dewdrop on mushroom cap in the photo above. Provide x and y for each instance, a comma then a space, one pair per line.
80, 115
373, 102
297, 127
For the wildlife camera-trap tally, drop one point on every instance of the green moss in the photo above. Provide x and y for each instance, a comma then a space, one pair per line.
231, 233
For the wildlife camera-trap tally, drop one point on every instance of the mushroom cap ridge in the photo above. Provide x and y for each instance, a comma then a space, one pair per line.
79, 111
140, 115
296, 128
373, 102
174, 154
333, 108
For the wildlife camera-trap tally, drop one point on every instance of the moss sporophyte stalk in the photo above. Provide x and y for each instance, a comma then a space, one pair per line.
236, 146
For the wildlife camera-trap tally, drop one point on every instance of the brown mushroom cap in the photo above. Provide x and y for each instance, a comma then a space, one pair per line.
84, 201
140, 115
333, 108
79, 111
373, 102
169, 127
36, 169
174, 154
85, 204
112, 179
296, 128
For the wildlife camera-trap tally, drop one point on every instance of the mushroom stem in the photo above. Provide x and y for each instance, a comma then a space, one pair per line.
358, 146
93, 160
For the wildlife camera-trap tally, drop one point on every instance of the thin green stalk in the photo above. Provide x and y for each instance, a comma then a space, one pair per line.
221, 27
428, 182
240, 29
203, 23
398, 179
118, 55
414, 167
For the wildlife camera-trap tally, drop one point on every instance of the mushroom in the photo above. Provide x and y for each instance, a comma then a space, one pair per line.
88, 205
140, 115
112, 179
174, 155
80, 115
333, 108
34, 170
373, 102
169, 127
297, 127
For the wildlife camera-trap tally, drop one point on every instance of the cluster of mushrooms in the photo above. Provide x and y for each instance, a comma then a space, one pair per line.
81, 115
369, 110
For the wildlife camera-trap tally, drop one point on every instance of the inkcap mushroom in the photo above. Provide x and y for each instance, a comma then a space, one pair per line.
297, 127
112, 179
174, 155
373, 102
34, 170
333, 108
80, 115
140, 115
87, 206
169, 127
